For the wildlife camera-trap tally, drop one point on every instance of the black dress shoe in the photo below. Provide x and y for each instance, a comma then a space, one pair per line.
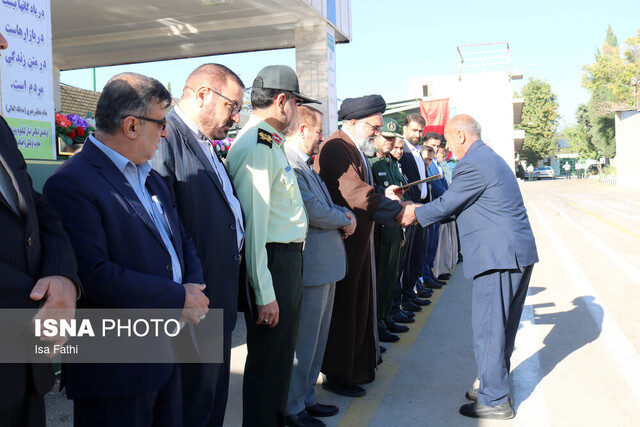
472, 394
476, 410
410, 314
319, 410
302, 419
385, 336
421, 302
422, 291
445, 276
397, 329
410, 306
344, 389
430, 284
382, 349
401, 318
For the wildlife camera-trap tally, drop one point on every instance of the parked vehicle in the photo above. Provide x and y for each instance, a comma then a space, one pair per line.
544, 172
593, 170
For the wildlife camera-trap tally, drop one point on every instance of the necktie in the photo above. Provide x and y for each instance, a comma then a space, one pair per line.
310, 161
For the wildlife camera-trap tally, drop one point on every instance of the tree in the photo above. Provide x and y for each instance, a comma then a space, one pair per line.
539, 121
609, 81
578, 137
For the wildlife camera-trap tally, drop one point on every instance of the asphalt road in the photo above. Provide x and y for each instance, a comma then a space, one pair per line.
576, 361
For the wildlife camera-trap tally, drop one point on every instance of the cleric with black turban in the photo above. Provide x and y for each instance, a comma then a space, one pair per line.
352, 351
364, 106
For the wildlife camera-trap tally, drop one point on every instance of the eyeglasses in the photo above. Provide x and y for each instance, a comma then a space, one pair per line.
236, 107
162, 123
376, 129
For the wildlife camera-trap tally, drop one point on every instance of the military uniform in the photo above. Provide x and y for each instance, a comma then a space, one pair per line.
276, 227
385, 173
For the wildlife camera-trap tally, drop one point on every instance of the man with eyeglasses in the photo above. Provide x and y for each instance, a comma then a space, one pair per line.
352, 352
276, 228
210, 210
132, 251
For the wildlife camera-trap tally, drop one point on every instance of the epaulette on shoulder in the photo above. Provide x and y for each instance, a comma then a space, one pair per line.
265, 138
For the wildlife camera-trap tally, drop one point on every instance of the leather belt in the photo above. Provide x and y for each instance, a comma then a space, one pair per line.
294, 246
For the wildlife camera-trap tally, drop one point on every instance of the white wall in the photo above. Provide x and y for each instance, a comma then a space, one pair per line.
628, 149
487, 97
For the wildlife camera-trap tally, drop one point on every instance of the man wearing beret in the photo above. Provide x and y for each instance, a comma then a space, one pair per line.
352, 349
276, 228
389, 239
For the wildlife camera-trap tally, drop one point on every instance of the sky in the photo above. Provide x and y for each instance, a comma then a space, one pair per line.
549, 40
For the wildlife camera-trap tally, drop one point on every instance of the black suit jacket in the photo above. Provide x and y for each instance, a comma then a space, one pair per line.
410, 170
207, 218
34, 245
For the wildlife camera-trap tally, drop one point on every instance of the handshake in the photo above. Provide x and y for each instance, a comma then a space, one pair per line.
407, 215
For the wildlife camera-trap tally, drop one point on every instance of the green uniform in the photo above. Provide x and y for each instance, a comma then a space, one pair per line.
276, 227
385, 173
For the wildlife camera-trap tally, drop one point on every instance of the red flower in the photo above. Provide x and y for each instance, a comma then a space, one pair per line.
62, 121
79, 131
72, 134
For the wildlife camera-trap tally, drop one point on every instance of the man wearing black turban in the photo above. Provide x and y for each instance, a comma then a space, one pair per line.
352, 351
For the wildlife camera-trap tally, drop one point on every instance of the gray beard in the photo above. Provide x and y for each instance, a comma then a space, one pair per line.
366, 146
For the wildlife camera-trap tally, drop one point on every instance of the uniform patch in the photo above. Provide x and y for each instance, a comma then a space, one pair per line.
276, 138
265, 138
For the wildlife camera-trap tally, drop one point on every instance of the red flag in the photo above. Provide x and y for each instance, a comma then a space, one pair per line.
436, 113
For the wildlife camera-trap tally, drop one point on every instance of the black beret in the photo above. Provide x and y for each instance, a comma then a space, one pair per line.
364, 106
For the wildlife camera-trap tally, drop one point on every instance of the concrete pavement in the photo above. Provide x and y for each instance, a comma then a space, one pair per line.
576, 361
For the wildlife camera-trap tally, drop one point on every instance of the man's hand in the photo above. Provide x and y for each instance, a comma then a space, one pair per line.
269, 314
351, 228
58, 296
196, 303
393, 192
407, 215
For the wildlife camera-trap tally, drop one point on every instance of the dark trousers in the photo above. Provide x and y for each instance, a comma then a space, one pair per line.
390, 262
414, 263
161, 407
431, 244
205, 389
270, 351
29, 412
497, 300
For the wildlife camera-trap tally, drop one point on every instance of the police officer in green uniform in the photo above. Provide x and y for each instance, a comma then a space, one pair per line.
276, 227
385, 173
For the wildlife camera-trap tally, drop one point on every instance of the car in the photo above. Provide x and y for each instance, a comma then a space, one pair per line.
544, 172
593, 170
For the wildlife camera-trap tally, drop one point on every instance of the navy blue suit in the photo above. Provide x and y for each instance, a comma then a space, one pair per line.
207, 217
499, 250
437, 189
34, 246
122, 261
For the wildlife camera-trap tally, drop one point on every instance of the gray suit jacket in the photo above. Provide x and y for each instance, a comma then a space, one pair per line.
492, 221
324, 256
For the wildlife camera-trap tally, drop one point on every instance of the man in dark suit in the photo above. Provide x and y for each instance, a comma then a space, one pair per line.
212, 216
500, 251
37, 266
437, 188
131, 247
414, 249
